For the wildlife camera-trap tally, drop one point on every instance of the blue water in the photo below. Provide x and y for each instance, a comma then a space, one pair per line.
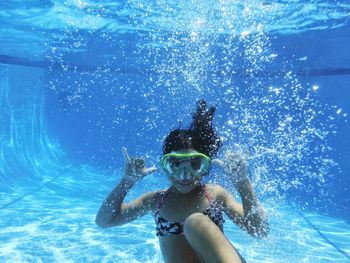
80, 79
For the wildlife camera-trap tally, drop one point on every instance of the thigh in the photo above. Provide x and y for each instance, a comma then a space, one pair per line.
209, 241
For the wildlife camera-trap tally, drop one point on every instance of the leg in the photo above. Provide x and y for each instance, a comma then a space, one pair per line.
207, 239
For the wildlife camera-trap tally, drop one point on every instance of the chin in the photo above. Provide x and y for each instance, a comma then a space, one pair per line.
185, 188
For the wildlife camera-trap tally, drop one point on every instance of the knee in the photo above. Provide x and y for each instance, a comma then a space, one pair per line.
195, 221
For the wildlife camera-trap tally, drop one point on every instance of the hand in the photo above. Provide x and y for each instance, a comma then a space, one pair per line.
234, 165
135, 167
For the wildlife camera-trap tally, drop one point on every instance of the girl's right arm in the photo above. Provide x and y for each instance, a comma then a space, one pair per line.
112, 211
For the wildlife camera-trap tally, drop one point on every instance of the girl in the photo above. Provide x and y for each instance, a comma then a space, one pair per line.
189, 215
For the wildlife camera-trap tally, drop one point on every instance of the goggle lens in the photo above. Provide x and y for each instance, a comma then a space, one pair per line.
196, 163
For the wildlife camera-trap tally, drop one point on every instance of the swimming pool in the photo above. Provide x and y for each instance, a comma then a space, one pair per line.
79, 80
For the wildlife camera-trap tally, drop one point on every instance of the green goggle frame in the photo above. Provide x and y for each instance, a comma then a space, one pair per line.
196, 163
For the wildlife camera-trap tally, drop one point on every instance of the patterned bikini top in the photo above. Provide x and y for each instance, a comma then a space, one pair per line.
166, 228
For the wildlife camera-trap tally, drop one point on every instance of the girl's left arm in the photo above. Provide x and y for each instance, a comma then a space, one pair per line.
250, 215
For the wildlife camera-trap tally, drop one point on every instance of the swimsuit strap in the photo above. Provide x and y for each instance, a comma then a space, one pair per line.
206, 193
163, 194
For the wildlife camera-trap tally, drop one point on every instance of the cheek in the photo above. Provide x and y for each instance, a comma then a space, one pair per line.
171, 180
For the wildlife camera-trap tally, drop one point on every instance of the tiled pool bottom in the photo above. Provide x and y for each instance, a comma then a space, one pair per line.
56, 224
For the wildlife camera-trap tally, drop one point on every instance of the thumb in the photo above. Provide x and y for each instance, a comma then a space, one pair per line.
218, 162
126, 155
149, 170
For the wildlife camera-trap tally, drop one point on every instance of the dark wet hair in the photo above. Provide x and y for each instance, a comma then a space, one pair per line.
200, 136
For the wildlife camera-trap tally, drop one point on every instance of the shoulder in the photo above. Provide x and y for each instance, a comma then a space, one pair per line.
216, 191
151, 199
161, 193
154, 194
228, 202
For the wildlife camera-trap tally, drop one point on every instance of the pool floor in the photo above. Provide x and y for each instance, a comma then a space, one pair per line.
56, 224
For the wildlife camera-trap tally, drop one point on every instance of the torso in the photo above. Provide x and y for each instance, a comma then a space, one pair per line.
175, 248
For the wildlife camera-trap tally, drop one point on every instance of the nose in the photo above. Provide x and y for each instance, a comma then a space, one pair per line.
185, 174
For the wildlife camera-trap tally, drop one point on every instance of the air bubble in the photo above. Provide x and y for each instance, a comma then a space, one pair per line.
315, 88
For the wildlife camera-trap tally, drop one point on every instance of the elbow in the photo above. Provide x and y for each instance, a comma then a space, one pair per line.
260, 233
103, 226
102, 223
260, 230
108, 223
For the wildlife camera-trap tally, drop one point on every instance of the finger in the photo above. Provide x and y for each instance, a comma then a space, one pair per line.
149, 170
217, 162
126, 155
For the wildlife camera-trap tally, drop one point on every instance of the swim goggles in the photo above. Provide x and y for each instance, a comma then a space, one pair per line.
196, 163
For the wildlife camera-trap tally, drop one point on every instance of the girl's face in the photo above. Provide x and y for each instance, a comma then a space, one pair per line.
185, 185
184, 180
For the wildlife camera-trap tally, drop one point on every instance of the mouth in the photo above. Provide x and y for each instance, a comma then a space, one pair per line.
185, 183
